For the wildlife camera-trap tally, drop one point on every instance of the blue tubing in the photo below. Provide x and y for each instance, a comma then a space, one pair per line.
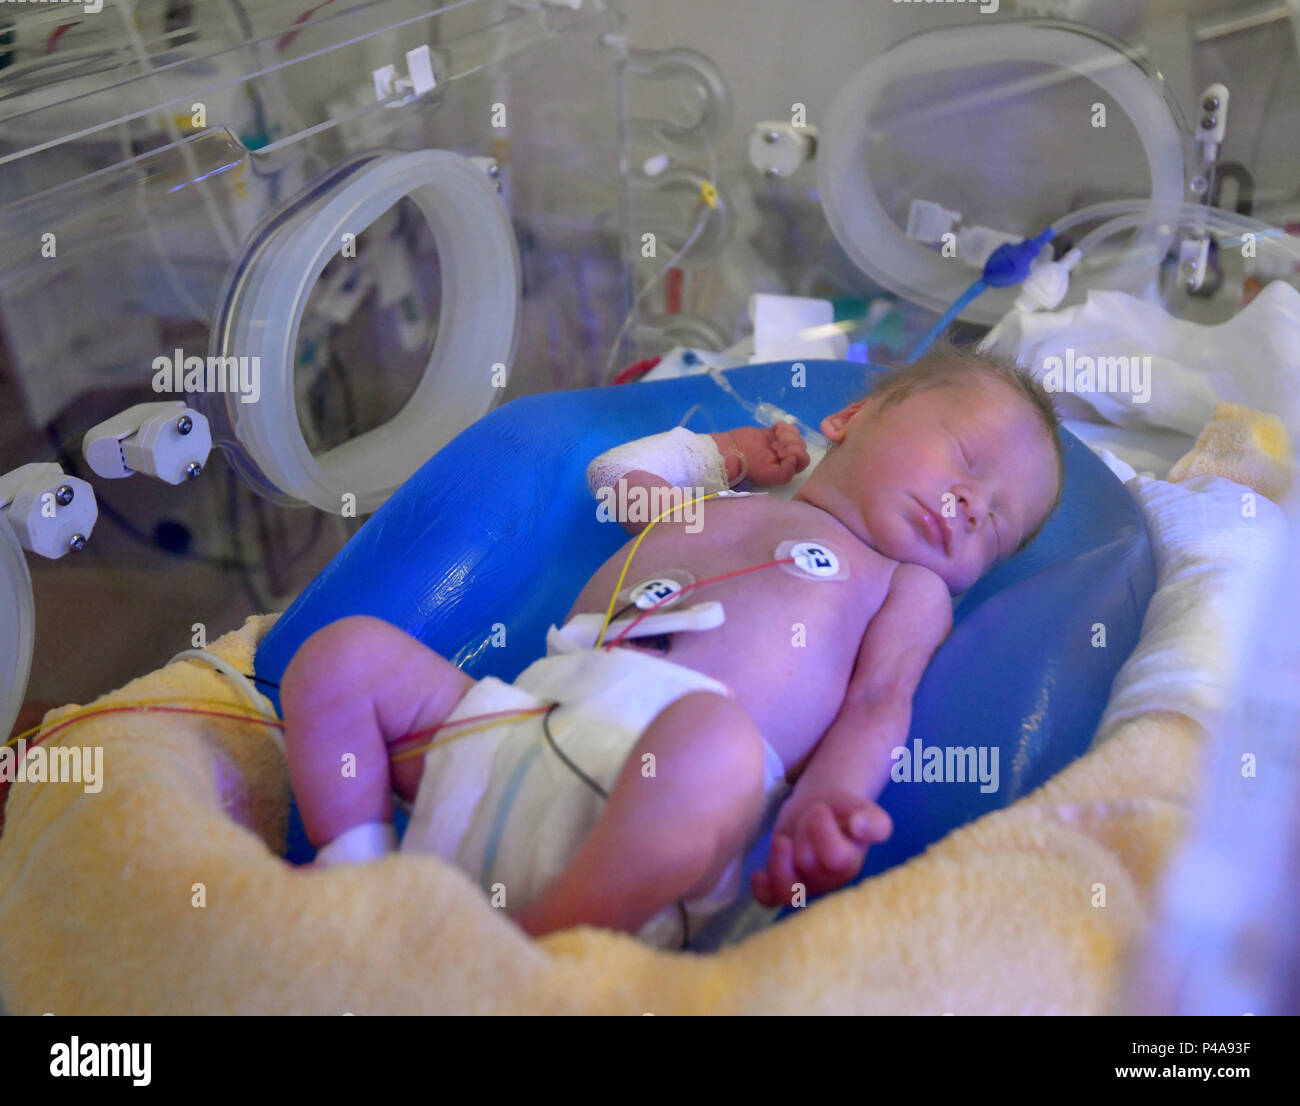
1008, 264
945, 320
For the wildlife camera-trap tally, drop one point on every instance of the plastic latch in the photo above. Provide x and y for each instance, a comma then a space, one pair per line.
929, 222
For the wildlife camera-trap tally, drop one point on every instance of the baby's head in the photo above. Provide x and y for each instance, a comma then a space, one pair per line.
952, 463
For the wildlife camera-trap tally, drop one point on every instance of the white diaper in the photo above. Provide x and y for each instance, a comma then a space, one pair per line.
505, 809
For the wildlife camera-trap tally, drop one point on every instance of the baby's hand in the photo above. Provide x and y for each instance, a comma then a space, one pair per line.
820, 841
772, 454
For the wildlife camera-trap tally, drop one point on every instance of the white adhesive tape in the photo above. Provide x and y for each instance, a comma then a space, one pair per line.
815, 560
657, 589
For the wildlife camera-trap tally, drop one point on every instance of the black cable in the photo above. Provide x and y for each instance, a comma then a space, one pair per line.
619, 614
550, 739
245, 576
69, 465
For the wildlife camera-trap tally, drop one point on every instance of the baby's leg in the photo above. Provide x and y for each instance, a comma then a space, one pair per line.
353, 687
668, 836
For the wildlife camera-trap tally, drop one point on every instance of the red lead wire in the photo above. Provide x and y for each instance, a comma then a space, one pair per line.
698, 583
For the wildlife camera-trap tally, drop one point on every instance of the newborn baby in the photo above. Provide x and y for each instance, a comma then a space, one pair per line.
619, 780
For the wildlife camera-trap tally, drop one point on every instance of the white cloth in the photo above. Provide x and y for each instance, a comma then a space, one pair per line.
683, 458
1212, 561
506, 810
1212, 558
1252, 359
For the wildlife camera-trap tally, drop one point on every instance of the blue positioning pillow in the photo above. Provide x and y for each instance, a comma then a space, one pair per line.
499, 526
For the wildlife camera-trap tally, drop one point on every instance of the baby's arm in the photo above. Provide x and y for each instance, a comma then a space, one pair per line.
705, 463
825, 827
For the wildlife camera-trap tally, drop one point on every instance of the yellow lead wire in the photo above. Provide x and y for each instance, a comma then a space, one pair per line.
255, 715
83, 712
465, 733
609, 613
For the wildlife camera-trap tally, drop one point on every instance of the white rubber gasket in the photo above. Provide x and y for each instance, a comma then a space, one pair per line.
657, 588
813, 560
478, 327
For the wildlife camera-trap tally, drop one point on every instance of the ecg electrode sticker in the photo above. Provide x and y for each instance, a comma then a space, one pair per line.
658, 589
814, 560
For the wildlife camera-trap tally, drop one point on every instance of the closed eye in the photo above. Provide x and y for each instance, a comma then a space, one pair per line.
965, 457
993, 518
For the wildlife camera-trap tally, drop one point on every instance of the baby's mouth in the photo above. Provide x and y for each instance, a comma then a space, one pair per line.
934, 528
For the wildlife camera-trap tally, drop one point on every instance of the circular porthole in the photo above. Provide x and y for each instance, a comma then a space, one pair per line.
967, 119
268, 292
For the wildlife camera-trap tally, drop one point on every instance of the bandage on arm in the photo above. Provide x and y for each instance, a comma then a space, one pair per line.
679, 457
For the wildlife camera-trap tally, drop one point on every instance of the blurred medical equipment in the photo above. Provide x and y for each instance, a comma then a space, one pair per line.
319, 241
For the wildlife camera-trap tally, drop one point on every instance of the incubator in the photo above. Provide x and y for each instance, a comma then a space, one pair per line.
261, 261
269, 256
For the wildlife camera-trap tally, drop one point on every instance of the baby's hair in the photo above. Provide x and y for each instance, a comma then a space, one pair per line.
946, 364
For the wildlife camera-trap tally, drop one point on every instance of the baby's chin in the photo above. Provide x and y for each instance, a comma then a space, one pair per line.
898, 540
909, 550
958, 577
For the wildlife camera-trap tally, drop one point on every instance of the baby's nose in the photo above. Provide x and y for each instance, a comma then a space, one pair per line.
973, 508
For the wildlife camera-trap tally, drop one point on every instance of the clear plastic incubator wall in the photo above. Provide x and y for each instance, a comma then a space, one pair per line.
174, 181
548, 205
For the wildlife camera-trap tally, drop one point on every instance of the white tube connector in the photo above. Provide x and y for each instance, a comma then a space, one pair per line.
778, 149
1213, 123
51, 514
167, 440
420, 78
1047, 283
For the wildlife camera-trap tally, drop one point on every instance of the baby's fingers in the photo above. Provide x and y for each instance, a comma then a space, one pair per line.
869, 826
775, 887
788, 443
786, 433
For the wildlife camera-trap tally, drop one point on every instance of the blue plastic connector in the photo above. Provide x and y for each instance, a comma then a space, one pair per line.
1009, 264
1006, 265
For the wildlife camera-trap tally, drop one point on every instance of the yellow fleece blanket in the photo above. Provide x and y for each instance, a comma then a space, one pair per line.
165, 893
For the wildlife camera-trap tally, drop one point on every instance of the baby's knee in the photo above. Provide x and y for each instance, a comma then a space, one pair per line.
726, 754
338, 652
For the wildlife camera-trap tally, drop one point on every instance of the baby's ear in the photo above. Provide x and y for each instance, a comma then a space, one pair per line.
835, 426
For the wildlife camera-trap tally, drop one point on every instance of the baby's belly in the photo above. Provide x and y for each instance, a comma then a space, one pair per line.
792, 692
788, 644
